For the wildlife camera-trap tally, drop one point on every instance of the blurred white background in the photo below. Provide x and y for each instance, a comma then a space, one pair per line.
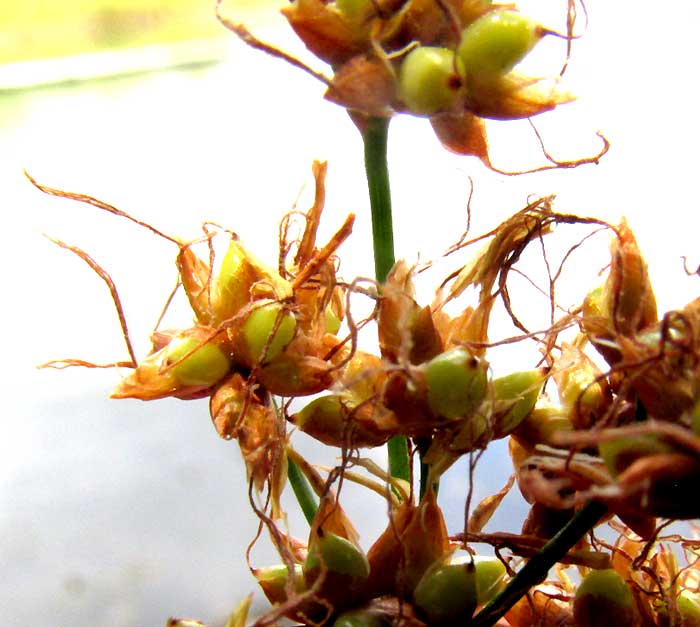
121, 513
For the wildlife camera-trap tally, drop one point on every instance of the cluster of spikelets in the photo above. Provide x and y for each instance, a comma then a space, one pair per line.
625, 436
452, 61
622, 430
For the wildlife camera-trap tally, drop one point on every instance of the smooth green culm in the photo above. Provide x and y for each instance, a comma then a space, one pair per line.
207, 365
375, 139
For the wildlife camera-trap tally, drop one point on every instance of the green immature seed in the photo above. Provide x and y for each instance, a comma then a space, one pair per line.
338, 555
359, 618
260, 325
619, 454
352, 9
206, 365
604, 598
428, 83
689, 608
456, 383
490, 577
447, 593
496, 42
332, 321
515, 396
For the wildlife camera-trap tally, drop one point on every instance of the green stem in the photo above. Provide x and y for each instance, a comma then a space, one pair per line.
302, 490
536, 569
375, 141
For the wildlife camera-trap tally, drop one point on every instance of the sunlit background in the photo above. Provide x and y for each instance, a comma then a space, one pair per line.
121, 513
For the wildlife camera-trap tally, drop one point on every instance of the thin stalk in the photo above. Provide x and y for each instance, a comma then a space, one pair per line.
375, 142
302, 490
536, 569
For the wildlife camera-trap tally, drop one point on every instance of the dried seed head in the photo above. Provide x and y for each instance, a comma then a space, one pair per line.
604, 598
447, 593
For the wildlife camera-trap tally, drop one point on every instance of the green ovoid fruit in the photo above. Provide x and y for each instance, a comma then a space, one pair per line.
332, 321
490, 578
207, 365
359, 618
689, 609
428, 83
456, 383
259, 326
604, 598
338, 555
517, 393
493, 44
619, 454
447, 593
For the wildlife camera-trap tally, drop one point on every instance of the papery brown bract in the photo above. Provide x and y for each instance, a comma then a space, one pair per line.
407, 332
542, 606
238, 412
512, 97
365, 84
325, 32
659, 485
665, 363
625, 303
415, 538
